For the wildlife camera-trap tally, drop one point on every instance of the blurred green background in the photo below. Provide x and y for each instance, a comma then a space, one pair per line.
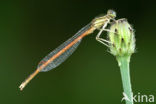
29, 30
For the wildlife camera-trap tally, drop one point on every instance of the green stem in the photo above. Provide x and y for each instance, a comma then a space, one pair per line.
125, 75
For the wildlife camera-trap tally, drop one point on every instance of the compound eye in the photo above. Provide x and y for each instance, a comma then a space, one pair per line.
111, 12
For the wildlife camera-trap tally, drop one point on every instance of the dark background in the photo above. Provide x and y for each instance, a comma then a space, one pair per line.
29, 30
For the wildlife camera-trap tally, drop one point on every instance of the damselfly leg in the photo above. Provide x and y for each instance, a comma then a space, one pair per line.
101, 40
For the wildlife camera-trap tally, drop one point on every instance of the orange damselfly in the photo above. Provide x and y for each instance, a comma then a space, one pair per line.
60, 54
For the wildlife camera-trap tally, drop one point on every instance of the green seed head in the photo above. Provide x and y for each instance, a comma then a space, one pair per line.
122, 39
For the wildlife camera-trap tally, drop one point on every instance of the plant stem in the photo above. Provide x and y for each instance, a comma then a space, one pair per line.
125, 75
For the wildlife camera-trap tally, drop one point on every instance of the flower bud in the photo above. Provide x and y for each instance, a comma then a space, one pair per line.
122, 39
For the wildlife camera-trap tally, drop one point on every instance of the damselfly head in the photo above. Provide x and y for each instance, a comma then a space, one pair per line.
111, 13
98, 22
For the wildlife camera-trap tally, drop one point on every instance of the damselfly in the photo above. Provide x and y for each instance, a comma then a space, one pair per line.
60, 54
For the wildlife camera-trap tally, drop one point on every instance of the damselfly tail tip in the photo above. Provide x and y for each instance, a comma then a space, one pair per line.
21, 87
27, 80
